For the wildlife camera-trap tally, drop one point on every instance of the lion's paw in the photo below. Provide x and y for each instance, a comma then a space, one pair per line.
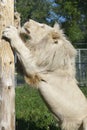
10, 33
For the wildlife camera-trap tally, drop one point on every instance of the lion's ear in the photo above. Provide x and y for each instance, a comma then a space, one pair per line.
56, 26
58, 29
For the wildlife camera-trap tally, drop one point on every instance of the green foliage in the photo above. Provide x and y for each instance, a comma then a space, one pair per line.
72, 15
31, 112
74, 33
34, 9
75, 14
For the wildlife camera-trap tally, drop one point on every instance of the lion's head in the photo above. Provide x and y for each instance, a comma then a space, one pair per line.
50, 47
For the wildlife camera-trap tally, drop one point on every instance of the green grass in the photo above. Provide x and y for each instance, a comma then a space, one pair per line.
31, 112
84, 90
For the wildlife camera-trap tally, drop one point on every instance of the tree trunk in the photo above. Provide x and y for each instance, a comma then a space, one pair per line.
7, 90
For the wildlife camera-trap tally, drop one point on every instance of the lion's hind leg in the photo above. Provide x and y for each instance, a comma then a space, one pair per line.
71, 125
85, 124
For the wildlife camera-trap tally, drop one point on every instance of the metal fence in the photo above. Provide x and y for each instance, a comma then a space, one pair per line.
81, 69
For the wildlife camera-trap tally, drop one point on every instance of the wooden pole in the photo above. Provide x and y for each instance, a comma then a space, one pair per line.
7, 90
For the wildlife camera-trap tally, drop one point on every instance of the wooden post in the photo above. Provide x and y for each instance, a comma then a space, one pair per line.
7, 90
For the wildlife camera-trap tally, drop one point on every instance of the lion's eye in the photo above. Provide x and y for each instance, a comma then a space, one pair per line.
27, 30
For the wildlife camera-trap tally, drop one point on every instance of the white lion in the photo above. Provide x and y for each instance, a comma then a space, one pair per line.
48, 59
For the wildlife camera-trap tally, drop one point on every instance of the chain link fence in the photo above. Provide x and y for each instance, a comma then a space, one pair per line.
81, 67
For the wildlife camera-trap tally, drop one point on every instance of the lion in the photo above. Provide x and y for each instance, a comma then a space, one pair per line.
48, 60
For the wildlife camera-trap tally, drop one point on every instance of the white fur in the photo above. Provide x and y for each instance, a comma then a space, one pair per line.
52, 57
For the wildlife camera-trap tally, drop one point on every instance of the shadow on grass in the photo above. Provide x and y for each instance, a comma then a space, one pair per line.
22, 124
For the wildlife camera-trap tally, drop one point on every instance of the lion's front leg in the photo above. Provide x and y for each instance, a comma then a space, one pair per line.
23, 54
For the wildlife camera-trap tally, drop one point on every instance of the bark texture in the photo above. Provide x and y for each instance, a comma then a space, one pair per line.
7, 90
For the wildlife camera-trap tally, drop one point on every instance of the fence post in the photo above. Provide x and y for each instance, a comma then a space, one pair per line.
80, 70
7, 90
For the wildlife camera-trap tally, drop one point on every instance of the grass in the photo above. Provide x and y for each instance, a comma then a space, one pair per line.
31, 112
